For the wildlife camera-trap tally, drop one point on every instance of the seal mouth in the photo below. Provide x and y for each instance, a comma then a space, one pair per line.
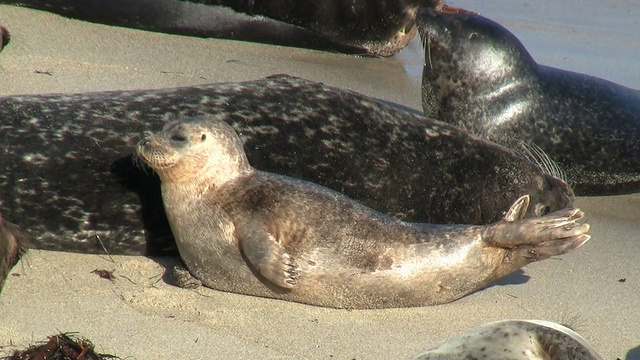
153, 158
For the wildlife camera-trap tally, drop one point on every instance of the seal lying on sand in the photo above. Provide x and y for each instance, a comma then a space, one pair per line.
252, 232
393, 161
479, 77
376, 28
12, 245
514, 340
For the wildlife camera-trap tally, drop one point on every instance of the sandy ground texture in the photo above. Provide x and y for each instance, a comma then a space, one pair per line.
140, 316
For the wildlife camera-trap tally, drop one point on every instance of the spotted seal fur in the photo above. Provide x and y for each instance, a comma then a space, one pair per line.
514, 340
417, 169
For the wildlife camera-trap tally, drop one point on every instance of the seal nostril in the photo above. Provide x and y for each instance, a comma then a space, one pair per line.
177, 137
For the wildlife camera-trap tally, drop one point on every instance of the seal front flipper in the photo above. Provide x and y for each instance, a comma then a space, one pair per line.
268, 256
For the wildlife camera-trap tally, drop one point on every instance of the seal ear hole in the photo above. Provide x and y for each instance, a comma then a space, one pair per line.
203, 137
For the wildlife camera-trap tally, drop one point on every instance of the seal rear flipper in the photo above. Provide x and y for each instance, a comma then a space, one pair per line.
268, 256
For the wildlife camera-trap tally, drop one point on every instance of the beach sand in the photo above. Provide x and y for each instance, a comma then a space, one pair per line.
140, 316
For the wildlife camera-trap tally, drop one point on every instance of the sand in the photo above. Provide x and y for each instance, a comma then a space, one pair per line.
140, 316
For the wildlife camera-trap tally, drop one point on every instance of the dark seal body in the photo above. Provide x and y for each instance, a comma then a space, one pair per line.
12, 245
377, 28
59, 152
4, 37
479, 77
257, 233
514, 340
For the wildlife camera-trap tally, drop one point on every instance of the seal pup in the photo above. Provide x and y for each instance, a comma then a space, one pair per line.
479, 77
363, 27
12, 246
514, 340
414, 168
246, 231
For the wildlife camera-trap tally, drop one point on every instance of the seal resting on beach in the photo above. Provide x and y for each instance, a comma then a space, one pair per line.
478, 76
68, 145
363, 27
247, 231
514, 340
12, 245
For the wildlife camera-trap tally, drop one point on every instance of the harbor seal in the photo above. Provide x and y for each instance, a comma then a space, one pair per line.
479, 77
12, 246
373, 28
257, 233
514, 340
69, 146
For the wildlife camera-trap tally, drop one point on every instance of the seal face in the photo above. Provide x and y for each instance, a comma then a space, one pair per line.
478, 76
391, 160
514, 340
375, 28
252, 232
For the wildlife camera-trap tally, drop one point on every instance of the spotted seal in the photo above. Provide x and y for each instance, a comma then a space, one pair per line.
479, 76
414, 168
514, 340
374, 28
252, 232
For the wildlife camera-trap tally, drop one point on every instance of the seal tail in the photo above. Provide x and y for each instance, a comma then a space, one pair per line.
537, 156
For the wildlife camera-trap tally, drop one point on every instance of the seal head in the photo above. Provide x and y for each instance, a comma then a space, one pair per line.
479, 77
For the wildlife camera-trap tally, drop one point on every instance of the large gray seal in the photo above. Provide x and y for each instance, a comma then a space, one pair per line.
374, 28
514, 340
252, 232
479, 77
67, 147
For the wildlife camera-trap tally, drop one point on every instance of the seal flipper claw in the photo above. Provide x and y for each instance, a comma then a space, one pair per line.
269, 257
518, 210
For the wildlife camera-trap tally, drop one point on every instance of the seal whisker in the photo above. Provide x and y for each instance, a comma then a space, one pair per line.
538, 157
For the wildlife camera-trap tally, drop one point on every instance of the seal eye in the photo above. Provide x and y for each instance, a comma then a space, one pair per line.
177, 137
203, 137
473, 36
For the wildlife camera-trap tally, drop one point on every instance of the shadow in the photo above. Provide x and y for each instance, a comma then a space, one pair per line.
633, 354
146, 184
518, 277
